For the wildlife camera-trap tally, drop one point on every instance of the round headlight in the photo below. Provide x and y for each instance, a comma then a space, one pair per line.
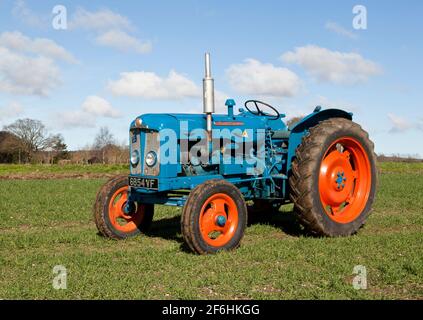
151, 159
135, 157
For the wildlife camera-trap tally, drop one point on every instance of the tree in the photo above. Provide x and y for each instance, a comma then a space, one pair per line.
56, 144
103, 139
32, 133
10, 148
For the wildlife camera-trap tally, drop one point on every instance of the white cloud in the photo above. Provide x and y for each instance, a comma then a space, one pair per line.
151, 86
11, 110
21, 74
27, 66
99, 107
400, 124
333, 66
124, 42
111, 29
20, 10
334, 27
101, 20
75, 119
256, 78
92, 108
40, 46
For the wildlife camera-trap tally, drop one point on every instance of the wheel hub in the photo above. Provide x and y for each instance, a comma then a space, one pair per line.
336, 176
340, 180
128, 208
221, 221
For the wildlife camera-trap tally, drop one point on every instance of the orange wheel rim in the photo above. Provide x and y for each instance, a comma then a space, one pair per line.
121, 221
345, 180
218, 220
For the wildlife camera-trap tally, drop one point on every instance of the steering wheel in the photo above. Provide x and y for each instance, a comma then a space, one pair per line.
259, 112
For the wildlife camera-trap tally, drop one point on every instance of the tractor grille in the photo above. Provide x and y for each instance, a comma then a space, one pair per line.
152, 143
143, 142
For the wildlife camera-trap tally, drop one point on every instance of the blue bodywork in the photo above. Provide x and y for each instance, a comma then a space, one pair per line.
176, 179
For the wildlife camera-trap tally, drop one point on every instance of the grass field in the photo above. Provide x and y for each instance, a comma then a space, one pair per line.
43, 171
44, 223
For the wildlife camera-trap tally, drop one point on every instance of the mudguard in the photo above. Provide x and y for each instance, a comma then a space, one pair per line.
302, 127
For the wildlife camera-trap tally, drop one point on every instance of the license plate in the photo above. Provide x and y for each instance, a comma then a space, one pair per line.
146, 183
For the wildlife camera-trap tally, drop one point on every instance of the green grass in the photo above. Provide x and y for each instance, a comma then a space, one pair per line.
8, 169
44, 223
401, 167
31, 169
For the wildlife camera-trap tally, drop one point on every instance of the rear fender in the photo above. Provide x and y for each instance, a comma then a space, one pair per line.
302, 128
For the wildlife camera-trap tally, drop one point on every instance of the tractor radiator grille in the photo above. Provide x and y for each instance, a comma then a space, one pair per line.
152, 143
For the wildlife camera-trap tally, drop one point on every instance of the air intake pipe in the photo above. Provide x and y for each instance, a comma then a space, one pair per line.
208, 94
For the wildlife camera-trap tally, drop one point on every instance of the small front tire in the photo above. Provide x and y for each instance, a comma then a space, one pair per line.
214, 217
109, 216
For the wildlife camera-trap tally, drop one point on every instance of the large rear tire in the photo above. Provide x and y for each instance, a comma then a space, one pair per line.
109, 217
214, 217
334, 178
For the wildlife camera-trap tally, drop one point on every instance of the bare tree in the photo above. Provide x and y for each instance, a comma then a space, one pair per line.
32, 133
103, 139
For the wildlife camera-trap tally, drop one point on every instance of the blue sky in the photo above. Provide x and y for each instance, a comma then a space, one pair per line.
119, 59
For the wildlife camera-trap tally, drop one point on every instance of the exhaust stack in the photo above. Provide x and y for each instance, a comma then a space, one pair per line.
208, 94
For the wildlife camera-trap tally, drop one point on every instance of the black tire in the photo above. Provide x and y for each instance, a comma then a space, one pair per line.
304, 179
190, 219
101, 211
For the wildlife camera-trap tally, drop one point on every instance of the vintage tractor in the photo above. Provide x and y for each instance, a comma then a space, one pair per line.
212, 164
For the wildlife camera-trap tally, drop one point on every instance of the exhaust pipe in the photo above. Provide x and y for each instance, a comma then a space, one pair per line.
208, 94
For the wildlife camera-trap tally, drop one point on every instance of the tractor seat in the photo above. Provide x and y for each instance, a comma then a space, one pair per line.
280, 134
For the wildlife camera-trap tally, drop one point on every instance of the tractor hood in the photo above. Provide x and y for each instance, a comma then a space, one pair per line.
172, 121
189, 121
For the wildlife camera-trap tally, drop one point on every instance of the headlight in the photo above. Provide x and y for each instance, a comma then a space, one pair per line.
135, 157
151, 159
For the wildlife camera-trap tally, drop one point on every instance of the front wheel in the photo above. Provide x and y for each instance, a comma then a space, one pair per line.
214, 217
334, 177
110, 217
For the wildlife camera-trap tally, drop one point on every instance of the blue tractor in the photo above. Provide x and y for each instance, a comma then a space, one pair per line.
211, 165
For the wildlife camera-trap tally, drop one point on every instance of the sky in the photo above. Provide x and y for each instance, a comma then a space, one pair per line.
107, 62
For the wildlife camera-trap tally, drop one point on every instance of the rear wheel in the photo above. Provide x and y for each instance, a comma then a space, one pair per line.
333, 180
110, 217
214, 217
